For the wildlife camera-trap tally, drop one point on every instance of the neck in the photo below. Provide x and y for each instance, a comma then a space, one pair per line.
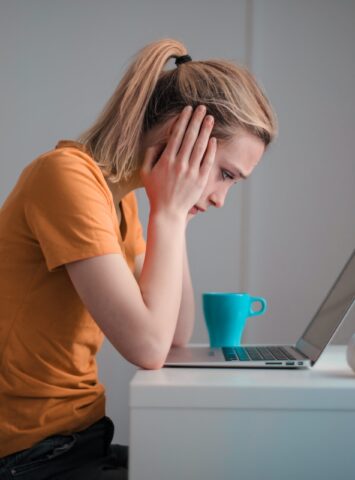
123, 188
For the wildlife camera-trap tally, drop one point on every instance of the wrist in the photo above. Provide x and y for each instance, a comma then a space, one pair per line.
169, 216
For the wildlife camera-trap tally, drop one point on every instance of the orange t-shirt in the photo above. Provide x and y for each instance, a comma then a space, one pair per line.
60, 210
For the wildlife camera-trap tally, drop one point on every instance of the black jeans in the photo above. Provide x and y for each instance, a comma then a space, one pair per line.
83, 455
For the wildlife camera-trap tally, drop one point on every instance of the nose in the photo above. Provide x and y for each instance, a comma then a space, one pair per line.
217, 198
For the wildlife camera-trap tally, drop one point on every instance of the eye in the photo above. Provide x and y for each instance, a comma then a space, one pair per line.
226, 174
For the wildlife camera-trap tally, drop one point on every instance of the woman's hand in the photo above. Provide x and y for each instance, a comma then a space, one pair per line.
175, 178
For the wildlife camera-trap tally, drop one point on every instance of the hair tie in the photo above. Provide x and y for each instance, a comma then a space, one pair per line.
182, 59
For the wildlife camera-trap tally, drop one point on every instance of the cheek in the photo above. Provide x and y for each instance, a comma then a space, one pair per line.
213, 178
215, 184
210, 187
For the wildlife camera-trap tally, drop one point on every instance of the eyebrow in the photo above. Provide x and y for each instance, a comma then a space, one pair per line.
236, 171
244, 177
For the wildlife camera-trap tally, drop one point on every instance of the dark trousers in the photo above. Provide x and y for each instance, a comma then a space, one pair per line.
83, 455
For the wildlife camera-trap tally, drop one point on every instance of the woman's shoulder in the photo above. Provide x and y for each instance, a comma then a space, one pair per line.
71, 149
67, 156
67, 166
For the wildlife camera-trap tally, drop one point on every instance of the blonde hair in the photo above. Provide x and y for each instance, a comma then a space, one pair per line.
148, 95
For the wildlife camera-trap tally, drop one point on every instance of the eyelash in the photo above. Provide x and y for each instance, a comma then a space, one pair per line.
225, 175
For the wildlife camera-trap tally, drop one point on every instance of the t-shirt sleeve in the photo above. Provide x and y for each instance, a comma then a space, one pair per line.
68, 209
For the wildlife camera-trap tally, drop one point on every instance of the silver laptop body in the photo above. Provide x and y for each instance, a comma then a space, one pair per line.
305, 353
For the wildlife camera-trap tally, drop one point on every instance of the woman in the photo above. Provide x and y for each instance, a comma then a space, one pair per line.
75, 266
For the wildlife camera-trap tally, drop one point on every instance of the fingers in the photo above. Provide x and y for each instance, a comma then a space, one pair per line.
178, 133
187, 143
199, 148
208, 159
192, 134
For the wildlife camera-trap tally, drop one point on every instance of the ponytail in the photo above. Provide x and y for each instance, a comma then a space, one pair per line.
114, 139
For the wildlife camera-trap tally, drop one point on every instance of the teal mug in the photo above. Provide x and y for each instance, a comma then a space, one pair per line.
226, 315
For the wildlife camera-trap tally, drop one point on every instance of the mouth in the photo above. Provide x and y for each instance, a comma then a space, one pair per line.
195, 209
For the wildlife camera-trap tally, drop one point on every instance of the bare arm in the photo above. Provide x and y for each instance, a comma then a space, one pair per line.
186, 316
139, 318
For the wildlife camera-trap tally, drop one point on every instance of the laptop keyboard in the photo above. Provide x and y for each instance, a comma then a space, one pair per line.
247, 354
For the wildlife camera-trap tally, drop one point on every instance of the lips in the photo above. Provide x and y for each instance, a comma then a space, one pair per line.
199, 208
195, 209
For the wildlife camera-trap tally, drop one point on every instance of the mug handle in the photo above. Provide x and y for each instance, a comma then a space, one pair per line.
253, 313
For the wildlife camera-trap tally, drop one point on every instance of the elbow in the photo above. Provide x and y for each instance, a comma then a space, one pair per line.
152, 363
157, 357
147, 361
148, 365
152, 358
143, 354
156, 350
149, 350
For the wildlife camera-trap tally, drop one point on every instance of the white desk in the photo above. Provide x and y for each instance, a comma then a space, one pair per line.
244, 424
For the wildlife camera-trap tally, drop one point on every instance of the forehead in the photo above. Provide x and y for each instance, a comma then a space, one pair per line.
243, 151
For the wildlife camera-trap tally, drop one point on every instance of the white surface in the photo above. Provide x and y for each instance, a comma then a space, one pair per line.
251, 388
190, 423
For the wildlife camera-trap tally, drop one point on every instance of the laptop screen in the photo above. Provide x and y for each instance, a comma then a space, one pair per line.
333, 309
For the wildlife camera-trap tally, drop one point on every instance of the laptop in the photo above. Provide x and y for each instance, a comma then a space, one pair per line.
305, 353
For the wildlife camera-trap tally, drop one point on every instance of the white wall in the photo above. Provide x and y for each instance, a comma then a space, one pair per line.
283, 234
302, 196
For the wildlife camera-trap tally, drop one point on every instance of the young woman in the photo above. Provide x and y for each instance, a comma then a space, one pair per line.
74, 265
